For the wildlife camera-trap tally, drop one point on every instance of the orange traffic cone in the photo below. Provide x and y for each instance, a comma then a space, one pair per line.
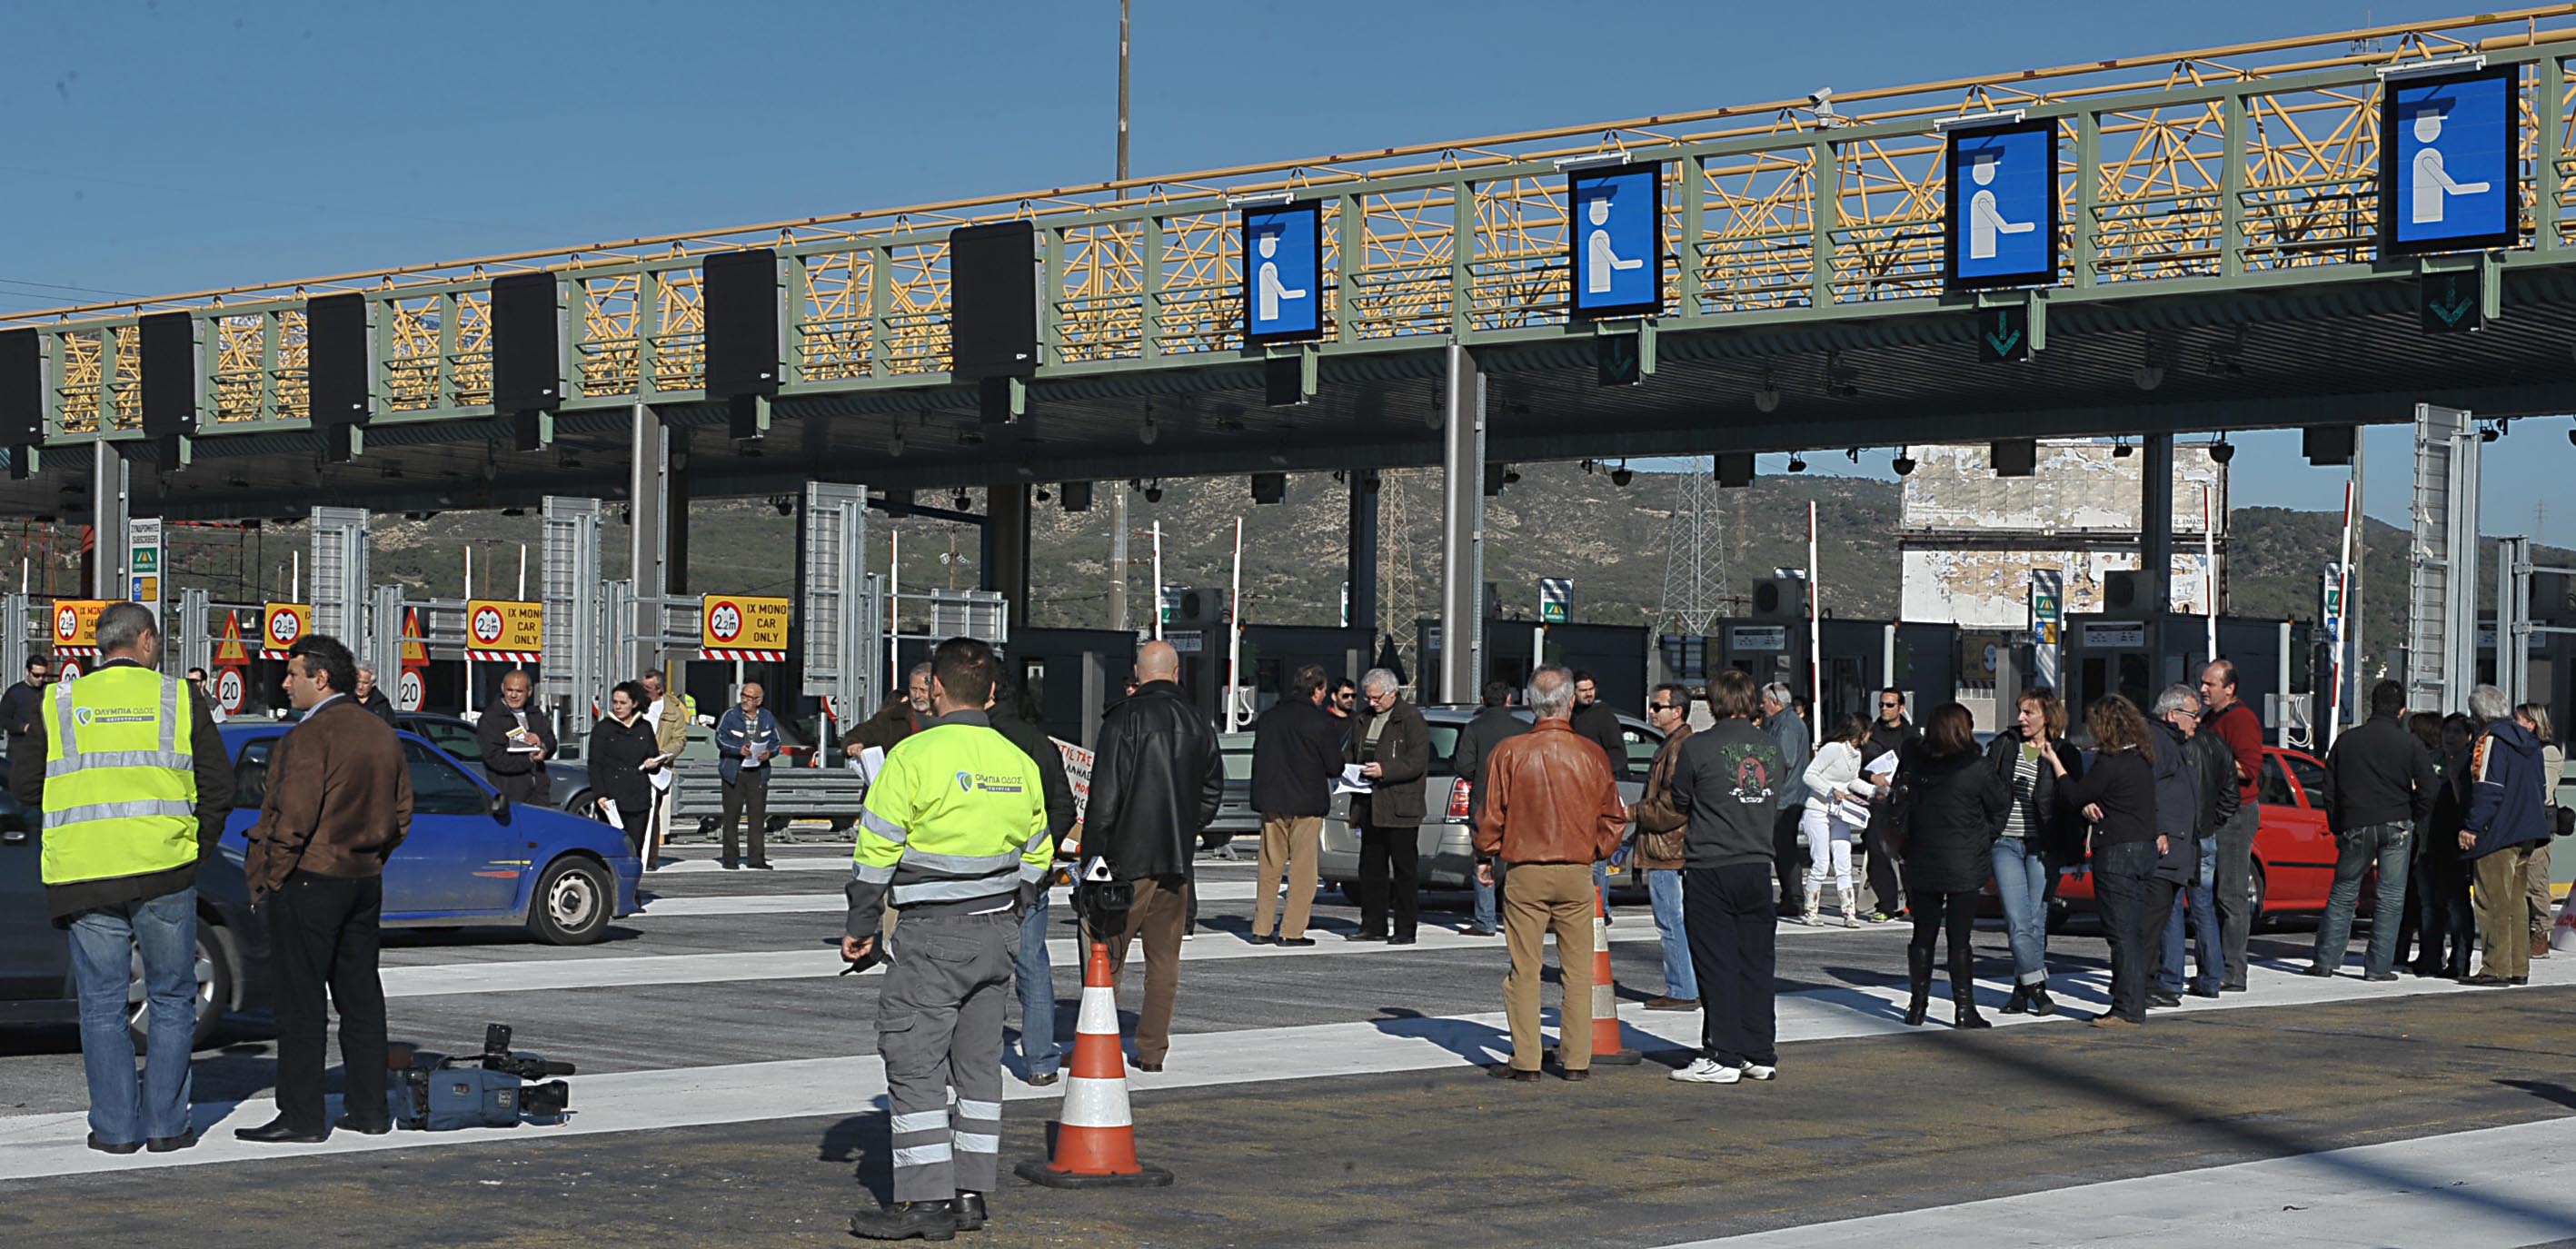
1606, 1039
1095, 1136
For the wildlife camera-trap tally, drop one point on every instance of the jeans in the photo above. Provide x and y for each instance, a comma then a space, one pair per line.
1486, 917
123, 1110
2234, 887
2390, 847
1035, 979
1664, 890
1733, 929
2121, 873
2200, 911
2021, 884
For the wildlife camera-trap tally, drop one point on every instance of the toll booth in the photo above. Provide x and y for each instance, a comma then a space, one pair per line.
1615, 655
1272, 654
2110, 655
1861, 657
1069, 676
2548, 671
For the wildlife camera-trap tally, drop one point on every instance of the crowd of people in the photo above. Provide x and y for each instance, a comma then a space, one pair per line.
1739, 824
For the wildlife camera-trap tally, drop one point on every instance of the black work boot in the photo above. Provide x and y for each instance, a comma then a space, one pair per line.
1918, 972
2019, 1002
2039, 1003
970, 1212
929, 1220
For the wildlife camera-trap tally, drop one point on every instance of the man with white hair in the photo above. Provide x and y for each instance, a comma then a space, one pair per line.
1392, 746
1551, 811
2508, 814
1789, 734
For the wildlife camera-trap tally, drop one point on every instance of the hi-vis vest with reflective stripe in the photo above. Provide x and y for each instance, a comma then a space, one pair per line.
957, 814
120, 777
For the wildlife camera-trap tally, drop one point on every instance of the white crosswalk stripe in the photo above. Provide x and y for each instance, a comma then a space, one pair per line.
51, 1144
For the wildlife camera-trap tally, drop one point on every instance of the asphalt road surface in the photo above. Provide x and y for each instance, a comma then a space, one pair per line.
728, 1094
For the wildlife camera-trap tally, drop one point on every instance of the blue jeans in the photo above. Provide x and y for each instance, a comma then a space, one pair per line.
1664, 890
2021, 884
1034, 977
2201, 902
1486, 917
123, 1111
2356, 850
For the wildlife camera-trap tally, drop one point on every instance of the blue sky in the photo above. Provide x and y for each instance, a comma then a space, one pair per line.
172, 145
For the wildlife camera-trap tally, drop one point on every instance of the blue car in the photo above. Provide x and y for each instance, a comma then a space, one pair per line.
472, 858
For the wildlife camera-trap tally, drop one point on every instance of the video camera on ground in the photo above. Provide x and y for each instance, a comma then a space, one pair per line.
1100, 899
493, 1089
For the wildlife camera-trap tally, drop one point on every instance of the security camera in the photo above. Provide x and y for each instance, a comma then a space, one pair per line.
1903, 464
1821, 97
2222, 451
1797, 464
1622, 475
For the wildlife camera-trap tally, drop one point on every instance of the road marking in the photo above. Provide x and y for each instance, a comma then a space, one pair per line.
2493, 1186
837, 903
835, 862
52, 1144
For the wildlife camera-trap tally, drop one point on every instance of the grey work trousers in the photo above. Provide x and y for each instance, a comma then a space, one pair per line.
939, 1027
2234, 889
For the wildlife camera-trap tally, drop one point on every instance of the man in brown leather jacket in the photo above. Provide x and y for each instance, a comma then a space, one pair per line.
1660, 829
338, 804
1551, 812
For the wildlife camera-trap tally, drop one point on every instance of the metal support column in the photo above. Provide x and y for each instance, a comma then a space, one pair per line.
384, 641
1362, 568
2513, 620
648, 485
1462, 528
338, 576
838, 636
15, 610
192, 642
2155, 550
110, 496
575, 672
1006, 546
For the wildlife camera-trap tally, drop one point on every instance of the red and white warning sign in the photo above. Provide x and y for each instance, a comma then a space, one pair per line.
742, 626
283, 625
505, 630
230, 689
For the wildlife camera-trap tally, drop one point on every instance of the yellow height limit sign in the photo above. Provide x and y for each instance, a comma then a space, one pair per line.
505, 631
743, 627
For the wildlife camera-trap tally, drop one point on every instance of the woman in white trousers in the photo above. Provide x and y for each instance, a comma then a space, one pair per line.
1833, 778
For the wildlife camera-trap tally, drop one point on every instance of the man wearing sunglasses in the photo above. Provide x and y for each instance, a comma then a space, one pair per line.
1893, 734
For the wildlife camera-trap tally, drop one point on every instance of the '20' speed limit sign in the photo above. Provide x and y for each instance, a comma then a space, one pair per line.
228, 690
487, 625
409, 691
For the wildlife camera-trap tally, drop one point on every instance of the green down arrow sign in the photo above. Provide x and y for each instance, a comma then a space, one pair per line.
2453, 302
2002, 335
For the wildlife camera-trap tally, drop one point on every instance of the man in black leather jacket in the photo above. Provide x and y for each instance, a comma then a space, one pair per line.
1156, 780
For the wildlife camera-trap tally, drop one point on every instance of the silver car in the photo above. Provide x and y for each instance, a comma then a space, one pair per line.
1448, 847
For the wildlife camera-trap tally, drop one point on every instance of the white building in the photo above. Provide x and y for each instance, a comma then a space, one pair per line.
1970, 540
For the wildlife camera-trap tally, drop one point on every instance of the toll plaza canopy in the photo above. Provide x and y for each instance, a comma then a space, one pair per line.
2323, 230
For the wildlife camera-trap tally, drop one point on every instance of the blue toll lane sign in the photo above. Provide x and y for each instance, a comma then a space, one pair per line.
1615, 241
2000, 219
1283, 273
2447, 161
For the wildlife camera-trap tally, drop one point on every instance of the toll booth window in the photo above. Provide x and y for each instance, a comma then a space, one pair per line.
2276, 785
250, 775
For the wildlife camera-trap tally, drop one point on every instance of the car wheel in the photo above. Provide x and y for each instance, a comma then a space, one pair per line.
584, 804
572, 904
214, 988
2254, 888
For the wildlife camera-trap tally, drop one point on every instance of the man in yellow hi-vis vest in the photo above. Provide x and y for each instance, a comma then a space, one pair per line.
955, 831
134, 784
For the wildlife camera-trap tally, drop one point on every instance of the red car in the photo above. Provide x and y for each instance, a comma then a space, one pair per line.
2294, 854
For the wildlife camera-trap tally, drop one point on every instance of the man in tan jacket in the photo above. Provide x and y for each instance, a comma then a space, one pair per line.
1658, 850
669, 714
1551, 812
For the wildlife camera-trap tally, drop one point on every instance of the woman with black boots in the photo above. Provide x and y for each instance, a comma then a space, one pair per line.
1956, 808
2118, 796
